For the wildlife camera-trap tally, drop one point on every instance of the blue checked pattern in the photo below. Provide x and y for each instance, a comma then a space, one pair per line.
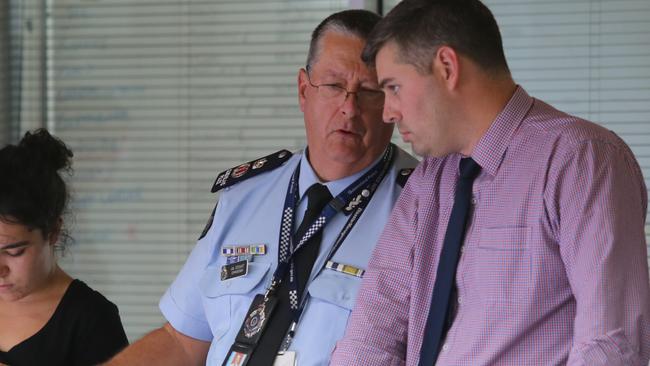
313, 229
285, 233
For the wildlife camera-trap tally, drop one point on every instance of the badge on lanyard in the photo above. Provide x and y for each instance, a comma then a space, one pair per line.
237, 358
254, 323
256, 319
238, 355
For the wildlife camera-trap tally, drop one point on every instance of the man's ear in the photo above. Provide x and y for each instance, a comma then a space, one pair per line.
446, 66
303, 83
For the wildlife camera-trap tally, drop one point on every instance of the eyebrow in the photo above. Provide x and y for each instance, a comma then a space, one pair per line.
383, 82
332, 73
15, 245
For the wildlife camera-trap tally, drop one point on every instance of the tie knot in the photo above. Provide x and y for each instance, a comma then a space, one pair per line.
469, 169
317, 197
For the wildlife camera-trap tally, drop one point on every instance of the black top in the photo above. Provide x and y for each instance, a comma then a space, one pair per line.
84, 330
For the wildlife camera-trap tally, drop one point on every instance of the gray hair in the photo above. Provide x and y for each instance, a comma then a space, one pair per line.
356, 22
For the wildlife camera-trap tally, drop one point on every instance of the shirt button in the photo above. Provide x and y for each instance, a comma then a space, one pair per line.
445, 348
460, 299
474, 201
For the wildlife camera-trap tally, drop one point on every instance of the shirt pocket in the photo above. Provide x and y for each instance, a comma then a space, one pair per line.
331, 298
502, 264
229, 299
336, 288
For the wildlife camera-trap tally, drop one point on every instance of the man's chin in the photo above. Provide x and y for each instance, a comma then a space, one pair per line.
419, 149
346, 153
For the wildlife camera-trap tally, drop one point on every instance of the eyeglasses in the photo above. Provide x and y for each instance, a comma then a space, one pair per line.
366, 98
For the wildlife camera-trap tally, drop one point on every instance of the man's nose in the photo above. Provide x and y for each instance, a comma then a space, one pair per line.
350, 106
390, 114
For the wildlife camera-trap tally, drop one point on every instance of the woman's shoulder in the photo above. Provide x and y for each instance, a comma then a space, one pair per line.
92, 311
82, 297
96, 322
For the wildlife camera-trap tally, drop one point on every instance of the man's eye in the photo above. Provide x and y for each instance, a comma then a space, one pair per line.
15, 252
330, 90
393, 89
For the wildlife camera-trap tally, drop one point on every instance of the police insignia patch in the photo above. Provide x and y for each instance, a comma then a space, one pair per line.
243, 171
208, 225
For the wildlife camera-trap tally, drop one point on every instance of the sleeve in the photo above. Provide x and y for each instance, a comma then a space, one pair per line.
103, 335
377, 330
597, 202
181, 304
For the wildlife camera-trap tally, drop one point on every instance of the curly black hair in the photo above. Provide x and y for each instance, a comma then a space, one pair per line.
32, 190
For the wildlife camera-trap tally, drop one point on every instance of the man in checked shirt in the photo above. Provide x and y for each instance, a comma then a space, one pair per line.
551, 266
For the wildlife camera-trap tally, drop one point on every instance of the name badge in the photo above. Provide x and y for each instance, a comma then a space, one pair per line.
234, 270
286, 358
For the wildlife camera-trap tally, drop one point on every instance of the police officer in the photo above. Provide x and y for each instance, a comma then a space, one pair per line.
275, 273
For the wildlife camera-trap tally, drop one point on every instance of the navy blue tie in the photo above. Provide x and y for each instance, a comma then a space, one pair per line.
436, 329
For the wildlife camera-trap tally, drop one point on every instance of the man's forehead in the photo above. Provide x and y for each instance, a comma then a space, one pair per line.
388, 53
338, 68
386, 61
345, 71
340, 56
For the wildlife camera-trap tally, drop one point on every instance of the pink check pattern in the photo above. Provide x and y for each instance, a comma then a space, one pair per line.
554, 267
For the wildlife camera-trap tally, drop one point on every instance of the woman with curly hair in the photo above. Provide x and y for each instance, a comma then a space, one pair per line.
46, 317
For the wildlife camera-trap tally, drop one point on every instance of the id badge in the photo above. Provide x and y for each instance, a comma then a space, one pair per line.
286, 358
257, 317
238, 355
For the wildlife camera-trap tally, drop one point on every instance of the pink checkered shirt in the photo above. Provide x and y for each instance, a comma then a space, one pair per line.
554, 266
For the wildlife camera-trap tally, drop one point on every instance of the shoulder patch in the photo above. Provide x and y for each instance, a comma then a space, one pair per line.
209, 223
248, 170
403, 176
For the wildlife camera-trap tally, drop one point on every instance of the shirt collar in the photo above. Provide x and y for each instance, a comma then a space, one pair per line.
309, 177
491, 148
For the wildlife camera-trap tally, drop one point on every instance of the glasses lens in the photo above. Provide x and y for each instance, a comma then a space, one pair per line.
331, 91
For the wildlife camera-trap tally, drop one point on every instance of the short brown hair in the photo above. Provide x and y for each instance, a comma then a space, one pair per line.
420, 27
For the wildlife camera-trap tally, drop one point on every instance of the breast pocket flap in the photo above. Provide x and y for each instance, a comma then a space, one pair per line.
336, 288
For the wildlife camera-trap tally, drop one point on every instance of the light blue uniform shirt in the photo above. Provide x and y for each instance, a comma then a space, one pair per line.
202, 306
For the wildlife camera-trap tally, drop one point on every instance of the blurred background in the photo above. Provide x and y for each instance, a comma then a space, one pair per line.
155, 97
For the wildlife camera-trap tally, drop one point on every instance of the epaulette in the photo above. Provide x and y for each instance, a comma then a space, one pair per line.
250, 169
403, 175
